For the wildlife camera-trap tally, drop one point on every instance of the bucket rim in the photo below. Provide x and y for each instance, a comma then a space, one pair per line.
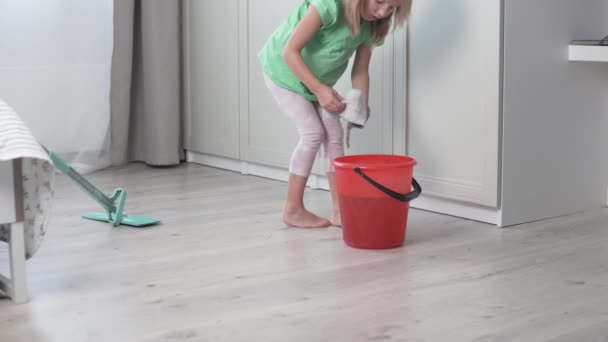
344, 162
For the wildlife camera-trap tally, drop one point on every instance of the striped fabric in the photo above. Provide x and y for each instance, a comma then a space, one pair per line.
16, 140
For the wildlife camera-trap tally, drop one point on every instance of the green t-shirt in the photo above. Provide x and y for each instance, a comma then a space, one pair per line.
326, 54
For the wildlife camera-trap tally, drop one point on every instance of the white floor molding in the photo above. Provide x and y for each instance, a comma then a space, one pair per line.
429, 203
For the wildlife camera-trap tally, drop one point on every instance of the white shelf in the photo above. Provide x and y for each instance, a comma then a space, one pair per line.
588, 53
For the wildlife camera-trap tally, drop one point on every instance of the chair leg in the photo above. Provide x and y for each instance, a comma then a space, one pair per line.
17, 260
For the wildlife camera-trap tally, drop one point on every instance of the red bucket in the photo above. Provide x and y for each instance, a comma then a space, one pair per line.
374, 192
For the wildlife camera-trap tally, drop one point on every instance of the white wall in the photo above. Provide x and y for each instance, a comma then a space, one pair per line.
55, 69
555, 112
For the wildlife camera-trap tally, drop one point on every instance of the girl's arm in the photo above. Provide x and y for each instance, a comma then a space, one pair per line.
329, 99
360, 72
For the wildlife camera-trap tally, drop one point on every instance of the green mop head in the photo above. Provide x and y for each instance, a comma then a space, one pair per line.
113, 205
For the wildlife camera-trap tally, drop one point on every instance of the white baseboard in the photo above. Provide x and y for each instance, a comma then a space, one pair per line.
454, 208
435, 204
248, 168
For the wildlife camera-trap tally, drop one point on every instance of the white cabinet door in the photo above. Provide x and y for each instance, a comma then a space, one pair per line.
267, 135
454, 98
212, 77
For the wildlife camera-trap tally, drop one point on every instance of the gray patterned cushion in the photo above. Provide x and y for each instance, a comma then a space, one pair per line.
38, 191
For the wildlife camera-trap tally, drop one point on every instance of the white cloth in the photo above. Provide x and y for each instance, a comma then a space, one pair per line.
355, 113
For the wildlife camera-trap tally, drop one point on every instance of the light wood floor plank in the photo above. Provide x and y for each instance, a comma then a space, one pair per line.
222, 267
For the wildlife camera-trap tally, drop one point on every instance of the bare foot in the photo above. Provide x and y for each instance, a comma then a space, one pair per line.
302, 218
336, 220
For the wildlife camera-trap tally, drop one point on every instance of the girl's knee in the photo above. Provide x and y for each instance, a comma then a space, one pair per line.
335, 131
313, 138
335, 137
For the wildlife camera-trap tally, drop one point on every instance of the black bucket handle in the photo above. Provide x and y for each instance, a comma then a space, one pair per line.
400, 197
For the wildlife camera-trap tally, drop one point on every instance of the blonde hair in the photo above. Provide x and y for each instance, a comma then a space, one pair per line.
380, 28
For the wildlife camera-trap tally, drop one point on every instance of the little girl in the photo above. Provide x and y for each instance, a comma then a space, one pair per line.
302, 61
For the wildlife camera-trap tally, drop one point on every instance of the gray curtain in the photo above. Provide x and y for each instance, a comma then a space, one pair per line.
146, 88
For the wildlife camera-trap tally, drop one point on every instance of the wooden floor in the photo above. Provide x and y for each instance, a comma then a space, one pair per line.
222, 267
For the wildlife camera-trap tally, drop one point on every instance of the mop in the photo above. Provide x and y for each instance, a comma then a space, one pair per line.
113, 205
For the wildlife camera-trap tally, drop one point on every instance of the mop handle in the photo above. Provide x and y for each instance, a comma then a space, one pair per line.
99, 196
94, 192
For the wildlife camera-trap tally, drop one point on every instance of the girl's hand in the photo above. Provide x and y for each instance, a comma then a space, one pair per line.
330, 100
